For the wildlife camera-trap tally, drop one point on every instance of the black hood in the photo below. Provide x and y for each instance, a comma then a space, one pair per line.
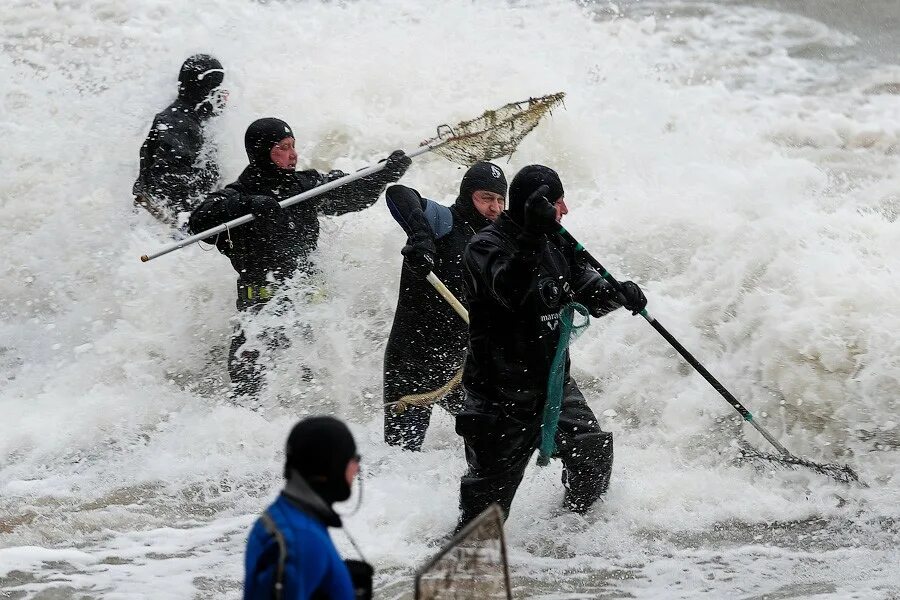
298, 491
260, 138
480, 176
319, 449
200, 75
525, 183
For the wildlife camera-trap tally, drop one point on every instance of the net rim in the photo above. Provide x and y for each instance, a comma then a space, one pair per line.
492, 512
546, 102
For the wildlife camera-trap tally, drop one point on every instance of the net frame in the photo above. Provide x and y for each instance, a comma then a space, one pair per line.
495, 132
488, 522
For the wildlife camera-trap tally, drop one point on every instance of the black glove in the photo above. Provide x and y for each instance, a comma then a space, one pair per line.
540, 215
632, 297
361, 576
262, 207
419, 258
396, 165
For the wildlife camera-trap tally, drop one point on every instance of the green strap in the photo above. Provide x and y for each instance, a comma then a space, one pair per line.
569, 330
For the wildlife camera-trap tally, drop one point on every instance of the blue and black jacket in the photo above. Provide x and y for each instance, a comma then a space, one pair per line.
290, 555
425, 327
428, 339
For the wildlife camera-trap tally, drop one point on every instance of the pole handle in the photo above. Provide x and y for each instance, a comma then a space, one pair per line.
447, 295
685, 354
316, 191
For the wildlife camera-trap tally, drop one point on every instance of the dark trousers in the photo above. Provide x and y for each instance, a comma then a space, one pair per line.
404, 375
243, 366
255, 348
244, 360
499, 442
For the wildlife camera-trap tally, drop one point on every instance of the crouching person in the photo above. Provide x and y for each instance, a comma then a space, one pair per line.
290, 555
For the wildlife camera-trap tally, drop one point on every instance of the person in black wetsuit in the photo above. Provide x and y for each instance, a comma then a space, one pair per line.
518, 275
279, 241
178, 167
428, 339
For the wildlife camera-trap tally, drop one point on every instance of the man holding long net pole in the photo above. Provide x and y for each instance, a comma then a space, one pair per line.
428, 339
524, 286
278, 243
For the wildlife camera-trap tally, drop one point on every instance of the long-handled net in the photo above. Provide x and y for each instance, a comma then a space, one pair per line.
494, 134
842, 473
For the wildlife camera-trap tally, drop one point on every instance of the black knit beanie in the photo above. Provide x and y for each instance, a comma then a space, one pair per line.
319, 449
483, 176
525, 183
261, 137
480, 176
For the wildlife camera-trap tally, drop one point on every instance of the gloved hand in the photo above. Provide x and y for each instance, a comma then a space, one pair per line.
396, 165
419, 258
540, 215
633, 297
262, 207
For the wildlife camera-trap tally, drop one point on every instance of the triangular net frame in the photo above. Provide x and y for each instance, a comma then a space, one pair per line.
495, 133
472, 566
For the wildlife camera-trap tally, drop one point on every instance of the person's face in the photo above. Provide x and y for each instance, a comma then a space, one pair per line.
561, 208
283, 154
218, 98
352, 470
488, 204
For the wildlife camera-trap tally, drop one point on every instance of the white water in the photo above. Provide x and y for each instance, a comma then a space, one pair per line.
750, 185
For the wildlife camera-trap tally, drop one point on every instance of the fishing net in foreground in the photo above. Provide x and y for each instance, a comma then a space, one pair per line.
471, 566
495, 133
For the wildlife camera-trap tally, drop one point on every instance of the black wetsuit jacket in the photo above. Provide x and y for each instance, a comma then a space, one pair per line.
177, 169
280, 244
172, 174
516, 285
426, 330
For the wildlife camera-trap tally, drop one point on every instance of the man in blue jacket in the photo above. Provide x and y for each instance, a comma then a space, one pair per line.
290, 555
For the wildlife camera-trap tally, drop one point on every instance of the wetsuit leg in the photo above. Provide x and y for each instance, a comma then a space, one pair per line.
246, 375
586, 451
498, 448
407, 429
454, 401
244, 363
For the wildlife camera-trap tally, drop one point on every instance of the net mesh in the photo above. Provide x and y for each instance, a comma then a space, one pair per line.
495, 133
472, 565
842, 473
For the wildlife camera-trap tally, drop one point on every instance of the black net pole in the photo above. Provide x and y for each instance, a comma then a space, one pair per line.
840, 472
